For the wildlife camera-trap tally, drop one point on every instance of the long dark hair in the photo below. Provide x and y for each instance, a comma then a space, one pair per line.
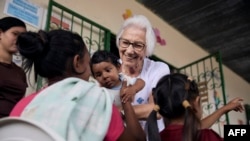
51, 52
8, 22
169, 94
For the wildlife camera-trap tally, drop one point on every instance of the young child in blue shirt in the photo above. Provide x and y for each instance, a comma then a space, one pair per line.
105, 68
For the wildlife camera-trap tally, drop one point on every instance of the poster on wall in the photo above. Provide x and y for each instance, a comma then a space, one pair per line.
26, 11
57, 22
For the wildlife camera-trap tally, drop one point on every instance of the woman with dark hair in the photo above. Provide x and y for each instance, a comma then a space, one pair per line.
12, 78
71, 105
177, 100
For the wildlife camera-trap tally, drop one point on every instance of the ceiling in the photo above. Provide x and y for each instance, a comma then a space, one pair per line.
215, 25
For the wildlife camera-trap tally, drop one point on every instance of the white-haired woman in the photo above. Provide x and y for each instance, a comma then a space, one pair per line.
136, 41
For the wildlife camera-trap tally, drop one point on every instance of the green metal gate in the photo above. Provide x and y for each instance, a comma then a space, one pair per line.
94, 35
208, 74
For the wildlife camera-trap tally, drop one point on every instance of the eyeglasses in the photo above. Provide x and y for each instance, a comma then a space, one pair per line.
136, 45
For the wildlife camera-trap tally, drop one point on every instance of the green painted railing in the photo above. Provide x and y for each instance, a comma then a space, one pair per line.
209, 70
94, 35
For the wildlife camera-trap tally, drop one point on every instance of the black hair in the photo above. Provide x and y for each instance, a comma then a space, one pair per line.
169, 94
104, 56
51, 53
8, 22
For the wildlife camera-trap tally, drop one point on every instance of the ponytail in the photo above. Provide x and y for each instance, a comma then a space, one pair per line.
151, 125
32, 46
191, 120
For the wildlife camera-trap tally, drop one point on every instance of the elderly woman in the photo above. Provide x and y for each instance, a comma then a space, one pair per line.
136, 41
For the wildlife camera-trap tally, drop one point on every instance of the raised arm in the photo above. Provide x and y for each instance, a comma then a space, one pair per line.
234, 104
133, 130
139, 84
131, 90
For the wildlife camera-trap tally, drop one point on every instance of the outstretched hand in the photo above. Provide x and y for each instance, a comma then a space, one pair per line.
235, 104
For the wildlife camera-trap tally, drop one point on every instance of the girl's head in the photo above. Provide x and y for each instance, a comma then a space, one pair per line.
179, 101
105, 67
56, 54
10, 28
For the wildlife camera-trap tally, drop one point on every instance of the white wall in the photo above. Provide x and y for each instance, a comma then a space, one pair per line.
179, 50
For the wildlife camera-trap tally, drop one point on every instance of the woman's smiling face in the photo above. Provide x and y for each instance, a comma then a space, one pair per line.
129, 55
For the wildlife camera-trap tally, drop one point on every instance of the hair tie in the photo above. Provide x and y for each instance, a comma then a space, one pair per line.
156, 108
185, 104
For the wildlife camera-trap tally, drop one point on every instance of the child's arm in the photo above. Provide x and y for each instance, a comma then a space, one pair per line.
234, 104
133, 130
131, 90
139, 84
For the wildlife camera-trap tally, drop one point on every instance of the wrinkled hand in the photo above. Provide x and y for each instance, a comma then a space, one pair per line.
235, 104
127, 93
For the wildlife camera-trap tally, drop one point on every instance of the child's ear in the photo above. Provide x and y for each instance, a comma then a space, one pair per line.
197, 100
119, 68
78, 64
196, 104
197, 107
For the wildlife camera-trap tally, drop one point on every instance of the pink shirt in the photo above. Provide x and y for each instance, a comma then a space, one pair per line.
115, 127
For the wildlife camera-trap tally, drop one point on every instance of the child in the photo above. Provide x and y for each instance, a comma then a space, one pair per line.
105, 68
85, 110
177, 100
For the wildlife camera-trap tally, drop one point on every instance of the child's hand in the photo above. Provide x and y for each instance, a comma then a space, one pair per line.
127, 93
235, 104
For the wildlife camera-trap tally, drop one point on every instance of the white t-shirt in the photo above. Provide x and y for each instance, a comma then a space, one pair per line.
151, 73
